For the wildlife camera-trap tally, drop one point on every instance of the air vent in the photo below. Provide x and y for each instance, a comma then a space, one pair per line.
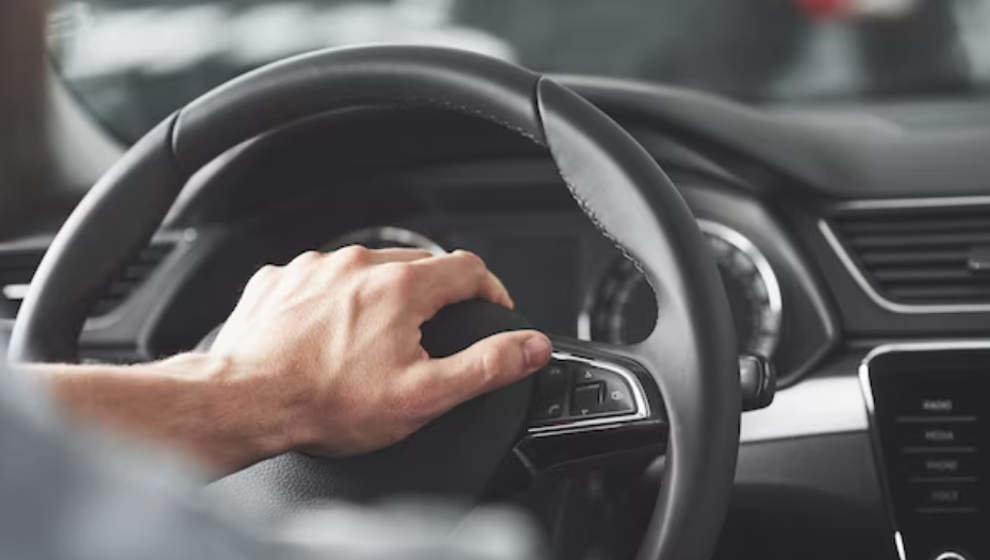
920, 256
17, 267
135, 272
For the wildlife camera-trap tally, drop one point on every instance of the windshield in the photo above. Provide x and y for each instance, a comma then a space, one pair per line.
134, 61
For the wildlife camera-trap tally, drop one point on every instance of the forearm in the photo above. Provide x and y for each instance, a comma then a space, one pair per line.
195, 403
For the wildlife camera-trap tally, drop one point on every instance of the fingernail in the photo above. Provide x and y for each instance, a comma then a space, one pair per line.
537, 351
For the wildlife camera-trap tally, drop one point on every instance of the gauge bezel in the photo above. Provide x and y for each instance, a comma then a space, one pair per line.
386, 234
741, 243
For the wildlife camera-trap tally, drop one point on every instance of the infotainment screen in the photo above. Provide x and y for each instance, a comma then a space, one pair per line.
930, 407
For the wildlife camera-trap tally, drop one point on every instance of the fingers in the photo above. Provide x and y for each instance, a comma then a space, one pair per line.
360, 255
428, 282
455, 277
488, 364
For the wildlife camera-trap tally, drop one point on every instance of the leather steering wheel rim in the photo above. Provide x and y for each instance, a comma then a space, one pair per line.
690, 354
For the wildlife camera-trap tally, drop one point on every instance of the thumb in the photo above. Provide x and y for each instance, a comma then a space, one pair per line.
490, 363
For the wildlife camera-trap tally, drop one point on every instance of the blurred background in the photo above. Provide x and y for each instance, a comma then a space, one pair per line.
134, 61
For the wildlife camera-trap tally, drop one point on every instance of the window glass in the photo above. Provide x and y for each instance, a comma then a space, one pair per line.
133, 61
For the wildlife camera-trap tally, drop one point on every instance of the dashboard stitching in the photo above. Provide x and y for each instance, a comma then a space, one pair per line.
586, 208
582, 203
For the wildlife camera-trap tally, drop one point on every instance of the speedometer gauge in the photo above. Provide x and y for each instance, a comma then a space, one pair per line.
384, 237
622, 310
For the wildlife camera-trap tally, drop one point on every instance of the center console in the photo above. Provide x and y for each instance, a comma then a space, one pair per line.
929, 410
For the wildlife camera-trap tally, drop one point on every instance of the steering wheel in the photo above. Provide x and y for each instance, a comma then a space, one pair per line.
681, 381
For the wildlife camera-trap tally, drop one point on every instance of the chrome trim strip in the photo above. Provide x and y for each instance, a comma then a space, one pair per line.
763, 268
929, 202
388, 234
899, 545
864, 380
813, 407
639, 399
853, 269
15, 292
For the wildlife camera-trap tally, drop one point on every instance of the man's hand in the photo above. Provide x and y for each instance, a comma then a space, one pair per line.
333, 342
323, 355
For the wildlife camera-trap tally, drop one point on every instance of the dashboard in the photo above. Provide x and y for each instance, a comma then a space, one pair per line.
569, 281
837, 230
618, 305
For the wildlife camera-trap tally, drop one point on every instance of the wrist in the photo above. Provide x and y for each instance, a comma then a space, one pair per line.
243, 422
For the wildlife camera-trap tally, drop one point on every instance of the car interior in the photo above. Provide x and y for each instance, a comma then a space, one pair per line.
757, 232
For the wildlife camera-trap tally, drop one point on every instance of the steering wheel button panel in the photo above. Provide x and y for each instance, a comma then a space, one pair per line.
574, 392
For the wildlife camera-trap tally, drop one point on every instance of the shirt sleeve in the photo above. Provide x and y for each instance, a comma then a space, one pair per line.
68, 493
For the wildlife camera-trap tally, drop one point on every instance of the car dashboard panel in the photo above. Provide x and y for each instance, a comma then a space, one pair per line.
836, 231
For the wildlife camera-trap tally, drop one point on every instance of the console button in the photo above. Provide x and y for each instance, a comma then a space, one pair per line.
587, 399
938, 404
944, 498
939, 466
937, 434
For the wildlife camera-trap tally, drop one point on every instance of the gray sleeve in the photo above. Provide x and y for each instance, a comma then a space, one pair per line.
70, 494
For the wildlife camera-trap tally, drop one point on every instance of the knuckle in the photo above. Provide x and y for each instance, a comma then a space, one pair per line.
353, 255
306, 258
470, 258
263, 275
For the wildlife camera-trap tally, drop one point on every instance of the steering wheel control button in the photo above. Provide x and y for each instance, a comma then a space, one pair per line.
757, 381
548, 410
551, 381
618, 397
585, 375
616, 394
587, 399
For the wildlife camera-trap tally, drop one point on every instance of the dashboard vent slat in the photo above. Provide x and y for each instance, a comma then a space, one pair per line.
17, 267
918, 255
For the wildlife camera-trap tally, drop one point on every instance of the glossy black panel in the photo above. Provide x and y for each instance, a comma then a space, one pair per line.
932, 428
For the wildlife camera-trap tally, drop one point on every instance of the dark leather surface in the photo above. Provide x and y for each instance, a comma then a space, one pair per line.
853, 153
691, 353
284, 92
114, 220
